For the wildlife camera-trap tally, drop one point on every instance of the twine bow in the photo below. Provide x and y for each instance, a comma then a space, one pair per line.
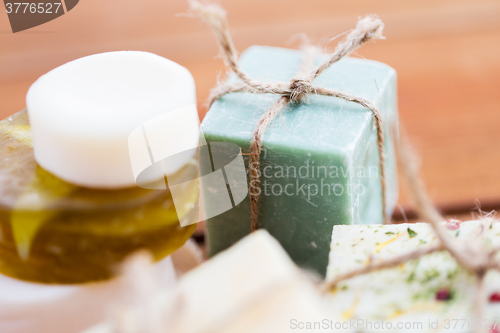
294, 91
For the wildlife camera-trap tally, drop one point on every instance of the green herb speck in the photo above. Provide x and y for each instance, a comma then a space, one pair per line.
452, 273
411, 233
430, 274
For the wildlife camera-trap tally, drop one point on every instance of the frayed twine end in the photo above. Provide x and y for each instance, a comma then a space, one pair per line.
209, 12
371, 27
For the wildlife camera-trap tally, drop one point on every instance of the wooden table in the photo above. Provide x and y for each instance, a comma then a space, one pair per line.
446, 53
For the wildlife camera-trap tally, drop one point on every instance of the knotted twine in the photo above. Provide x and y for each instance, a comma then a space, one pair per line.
295, 91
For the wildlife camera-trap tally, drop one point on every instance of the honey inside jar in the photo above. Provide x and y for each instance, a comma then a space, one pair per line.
55, 232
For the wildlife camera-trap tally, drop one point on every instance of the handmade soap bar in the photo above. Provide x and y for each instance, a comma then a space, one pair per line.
253, 287
319, 165
432, 289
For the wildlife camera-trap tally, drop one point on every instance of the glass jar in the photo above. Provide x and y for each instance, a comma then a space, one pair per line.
55, 232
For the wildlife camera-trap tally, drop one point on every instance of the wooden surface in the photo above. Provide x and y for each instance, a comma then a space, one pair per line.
446, 53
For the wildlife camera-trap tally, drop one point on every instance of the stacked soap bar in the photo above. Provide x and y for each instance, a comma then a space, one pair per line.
56, 232
319, 165
83, 169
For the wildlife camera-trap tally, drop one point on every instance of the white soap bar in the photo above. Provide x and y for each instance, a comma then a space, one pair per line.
83, 112
252, 287
404, 298
27, 307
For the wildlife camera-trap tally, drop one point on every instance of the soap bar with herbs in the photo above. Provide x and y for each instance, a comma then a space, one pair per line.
424, 292
319, 163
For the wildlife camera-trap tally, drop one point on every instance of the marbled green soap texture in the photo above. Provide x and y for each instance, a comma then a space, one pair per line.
319, 165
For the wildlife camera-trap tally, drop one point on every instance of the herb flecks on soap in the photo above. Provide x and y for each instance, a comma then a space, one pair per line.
411, 233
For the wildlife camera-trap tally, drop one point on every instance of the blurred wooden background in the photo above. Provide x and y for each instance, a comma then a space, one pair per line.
447, 54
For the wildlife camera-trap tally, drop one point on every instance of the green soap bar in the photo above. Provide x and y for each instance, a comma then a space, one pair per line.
319, 165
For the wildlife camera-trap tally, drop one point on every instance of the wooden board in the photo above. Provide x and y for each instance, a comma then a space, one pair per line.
445, 51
